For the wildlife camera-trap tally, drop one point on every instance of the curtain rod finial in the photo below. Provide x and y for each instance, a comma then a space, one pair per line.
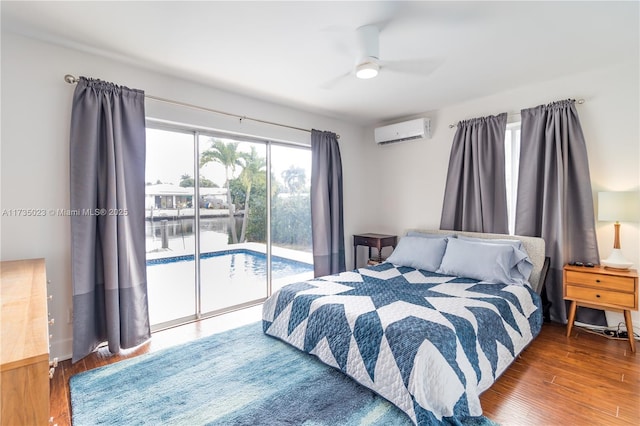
70, 79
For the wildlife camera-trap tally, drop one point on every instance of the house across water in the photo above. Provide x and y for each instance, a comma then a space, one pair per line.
168, 200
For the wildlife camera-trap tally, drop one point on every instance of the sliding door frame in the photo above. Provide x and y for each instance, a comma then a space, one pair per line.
198, 131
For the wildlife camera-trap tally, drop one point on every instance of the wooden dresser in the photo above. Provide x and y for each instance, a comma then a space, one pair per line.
24, 343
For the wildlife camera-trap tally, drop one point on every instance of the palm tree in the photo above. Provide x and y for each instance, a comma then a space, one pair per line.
252, 166
226, 154
186, 181
294, 178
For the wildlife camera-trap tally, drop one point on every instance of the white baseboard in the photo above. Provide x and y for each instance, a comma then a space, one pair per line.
61, 349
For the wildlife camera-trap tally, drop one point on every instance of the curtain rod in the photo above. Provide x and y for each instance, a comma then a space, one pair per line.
451, 126
73, 80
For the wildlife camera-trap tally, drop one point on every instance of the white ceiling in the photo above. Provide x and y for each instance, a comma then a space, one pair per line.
286, 52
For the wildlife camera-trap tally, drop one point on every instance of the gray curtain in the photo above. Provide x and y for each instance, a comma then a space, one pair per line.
475, 197
107, 156
326, 204
554, 196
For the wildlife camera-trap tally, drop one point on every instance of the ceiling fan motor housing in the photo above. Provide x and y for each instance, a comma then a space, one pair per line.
367, 38
367, 65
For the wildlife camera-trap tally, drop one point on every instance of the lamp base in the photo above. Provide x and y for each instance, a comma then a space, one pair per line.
616, 261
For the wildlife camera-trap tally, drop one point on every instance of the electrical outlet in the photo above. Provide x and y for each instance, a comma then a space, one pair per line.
69, 316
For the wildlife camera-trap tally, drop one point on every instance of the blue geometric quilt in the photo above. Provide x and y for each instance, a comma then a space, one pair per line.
429, 343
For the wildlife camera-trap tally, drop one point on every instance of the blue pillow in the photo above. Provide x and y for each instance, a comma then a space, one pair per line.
419, 252
492, 263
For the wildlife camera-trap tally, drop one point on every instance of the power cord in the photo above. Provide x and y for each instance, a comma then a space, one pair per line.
615, 333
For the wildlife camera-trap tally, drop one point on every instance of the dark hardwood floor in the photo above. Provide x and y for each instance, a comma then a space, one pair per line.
585, 379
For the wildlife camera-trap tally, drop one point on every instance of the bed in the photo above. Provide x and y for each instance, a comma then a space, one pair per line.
431, 328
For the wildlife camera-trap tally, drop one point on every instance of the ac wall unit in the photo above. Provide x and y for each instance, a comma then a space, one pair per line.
407, 130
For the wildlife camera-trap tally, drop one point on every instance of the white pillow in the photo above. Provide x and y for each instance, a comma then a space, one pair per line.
493, 263
419, 252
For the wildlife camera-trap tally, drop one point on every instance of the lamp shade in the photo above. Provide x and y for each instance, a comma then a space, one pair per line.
621, 206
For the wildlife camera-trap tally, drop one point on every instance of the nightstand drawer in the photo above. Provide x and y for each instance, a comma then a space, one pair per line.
611, 282
600, 296
363, 241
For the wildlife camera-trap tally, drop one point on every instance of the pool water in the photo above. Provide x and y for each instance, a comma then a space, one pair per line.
227, 278
243, 262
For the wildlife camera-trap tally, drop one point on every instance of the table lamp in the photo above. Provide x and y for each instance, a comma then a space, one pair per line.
619, 207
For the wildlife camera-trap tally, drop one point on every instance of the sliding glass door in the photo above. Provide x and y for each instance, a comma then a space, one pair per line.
227, 219
290, 217
233, 188
170, 242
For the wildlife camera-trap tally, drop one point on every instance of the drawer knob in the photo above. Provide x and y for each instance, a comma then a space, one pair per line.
597, 295
597, 281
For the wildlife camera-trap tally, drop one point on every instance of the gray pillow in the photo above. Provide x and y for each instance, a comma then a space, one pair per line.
493, 263
419, 252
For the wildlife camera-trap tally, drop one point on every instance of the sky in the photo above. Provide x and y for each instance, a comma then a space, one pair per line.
170, 155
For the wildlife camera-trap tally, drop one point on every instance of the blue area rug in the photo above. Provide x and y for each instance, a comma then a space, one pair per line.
239, 377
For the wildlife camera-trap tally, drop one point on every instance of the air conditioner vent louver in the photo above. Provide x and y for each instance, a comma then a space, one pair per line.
405, 131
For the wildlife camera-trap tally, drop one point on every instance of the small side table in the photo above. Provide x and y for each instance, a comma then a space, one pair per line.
372, 240
601, 288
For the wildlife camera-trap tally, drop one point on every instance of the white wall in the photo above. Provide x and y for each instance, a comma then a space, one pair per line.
36, 108
412, 184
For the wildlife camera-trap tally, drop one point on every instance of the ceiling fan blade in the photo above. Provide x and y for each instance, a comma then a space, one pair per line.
421, 67
390, 12
339, 40
330, 84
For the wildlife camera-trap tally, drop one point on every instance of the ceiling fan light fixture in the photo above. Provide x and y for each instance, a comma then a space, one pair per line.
367, 70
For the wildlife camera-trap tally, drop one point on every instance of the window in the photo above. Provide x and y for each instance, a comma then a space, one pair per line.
512, 163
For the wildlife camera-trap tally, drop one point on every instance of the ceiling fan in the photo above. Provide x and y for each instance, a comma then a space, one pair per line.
368, 63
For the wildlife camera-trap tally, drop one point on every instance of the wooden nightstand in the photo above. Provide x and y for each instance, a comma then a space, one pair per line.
601, 288
372, 240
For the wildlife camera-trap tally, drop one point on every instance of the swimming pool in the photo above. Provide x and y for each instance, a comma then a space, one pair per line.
243, 261
227, 278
